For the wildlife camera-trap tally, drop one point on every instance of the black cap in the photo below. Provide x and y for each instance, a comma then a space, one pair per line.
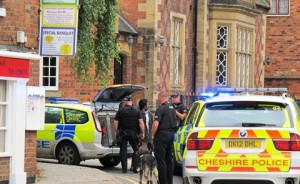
174, 95
127, 98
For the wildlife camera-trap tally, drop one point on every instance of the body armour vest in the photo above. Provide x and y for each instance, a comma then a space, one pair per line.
129, 118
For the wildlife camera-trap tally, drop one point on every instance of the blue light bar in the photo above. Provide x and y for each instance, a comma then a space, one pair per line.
62, 100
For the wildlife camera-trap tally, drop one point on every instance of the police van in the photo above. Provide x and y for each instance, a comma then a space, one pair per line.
76, 132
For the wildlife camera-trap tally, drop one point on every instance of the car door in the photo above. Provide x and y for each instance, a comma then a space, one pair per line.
182, 133
46, 139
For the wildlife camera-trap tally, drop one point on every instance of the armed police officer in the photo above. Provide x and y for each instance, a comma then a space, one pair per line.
163, 129
180, 109
126, 124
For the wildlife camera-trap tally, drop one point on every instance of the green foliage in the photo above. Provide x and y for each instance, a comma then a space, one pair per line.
96, 43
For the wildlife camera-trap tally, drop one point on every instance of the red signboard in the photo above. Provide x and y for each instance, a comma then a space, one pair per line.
13, 67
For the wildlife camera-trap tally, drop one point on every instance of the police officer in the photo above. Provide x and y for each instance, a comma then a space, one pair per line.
163, 129
181, 110
126, 121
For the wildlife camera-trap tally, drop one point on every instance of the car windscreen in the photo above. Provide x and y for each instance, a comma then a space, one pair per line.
244, 114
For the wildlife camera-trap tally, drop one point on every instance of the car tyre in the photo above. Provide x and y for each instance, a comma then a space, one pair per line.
67, 153
110, 161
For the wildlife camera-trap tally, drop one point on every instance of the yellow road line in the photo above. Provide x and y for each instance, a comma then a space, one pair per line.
128, 178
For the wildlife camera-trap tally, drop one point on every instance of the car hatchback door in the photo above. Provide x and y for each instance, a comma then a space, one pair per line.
244, 137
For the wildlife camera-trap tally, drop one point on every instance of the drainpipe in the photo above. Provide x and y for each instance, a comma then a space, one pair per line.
195, 45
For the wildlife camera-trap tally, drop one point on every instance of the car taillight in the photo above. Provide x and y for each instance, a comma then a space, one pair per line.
193, 143
97, 126
288, 145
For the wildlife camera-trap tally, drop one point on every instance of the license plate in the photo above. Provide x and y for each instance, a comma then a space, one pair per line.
238, 143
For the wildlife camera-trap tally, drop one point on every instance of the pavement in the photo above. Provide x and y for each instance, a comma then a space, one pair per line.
54, 173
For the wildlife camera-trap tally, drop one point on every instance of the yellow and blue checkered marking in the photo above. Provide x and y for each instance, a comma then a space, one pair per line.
65, 131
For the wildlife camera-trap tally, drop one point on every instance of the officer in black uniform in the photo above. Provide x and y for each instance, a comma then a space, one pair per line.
163, 129
126, 121
181, 110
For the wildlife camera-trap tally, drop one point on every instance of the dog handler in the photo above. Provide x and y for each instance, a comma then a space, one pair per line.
163, 129
125, 123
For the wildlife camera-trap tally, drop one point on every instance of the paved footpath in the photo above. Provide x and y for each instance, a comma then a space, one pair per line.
53, 173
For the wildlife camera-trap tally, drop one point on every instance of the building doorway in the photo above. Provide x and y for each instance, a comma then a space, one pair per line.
118, 70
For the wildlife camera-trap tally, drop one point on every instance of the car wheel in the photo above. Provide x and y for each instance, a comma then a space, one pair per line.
67, 153
109, 161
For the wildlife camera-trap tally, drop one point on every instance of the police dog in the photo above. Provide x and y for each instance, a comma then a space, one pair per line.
148, 165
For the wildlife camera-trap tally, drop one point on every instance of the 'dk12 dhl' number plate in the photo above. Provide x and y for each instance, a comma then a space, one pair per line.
242, 143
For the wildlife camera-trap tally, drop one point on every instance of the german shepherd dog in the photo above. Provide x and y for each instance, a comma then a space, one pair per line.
148, 165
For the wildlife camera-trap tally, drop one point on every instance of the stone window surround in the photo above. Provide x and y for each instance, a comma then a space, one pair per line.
279, 15
228, 19
174, 15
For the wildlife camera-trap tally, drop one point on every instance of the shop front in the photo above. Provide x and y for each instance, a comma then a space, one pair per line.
14, 108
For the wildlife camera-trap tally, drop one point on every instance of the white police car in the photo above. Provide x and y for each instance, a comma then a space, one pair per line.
76, 132
245, 138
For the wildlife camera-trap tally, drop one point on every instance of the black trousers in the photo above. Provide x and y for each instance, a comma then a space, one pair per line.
163, 150
132, 138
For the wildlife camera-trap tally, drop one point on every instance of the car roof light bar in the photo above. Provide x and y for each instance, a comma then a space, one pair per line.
62, 100
239, 90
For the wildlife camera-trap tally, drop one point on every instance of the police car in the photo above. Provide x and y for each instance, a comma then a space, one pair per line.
244, 138
76, 132
182, 133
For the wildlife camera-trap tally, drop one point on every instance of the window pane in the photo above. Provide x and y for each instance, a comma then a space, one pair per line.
46, 61
45, 71
52, 81
2, 140
45, 81
221, 74
75, 116
2, 91
229, 114
53, 115
52, 61
273, 7
176, 71
283, 7
222, 33
52, 71
2, 115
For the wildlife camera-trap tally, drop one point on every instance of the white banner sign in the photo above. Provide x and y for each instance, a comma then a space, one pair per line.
58, 41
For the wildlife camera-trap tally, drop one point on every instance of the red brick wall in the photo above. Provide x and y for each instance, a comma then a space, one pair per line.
131, 13
4, 168
184, 8
259, 48
22, 15
20, 18
30, 153
282, 47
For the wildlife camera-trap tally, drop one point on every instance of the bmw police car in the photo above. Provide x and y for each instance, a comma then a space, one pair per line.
244, 138
76, 132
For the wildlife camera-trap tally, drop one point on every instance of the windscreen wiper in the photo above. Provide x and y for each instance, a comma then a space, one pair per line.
249, 124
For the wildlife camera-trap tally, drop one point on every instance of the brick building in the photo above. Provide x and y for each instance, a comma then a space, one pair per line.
207, 44
17, 146
282, 46
187, 46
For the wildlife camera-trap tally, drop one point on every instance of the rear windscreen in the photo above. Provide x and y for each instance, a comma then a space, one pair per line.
244, 114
